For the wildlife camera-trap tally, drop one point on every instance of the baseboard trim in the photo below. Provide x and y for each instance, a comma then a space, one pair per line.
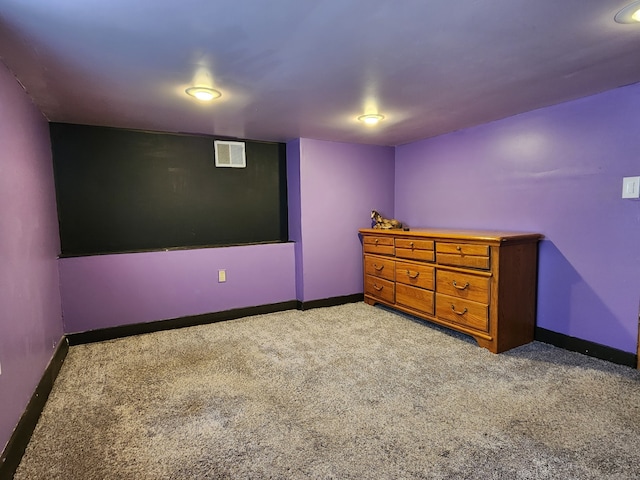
586, 347
13, 452
330, 302
122, 331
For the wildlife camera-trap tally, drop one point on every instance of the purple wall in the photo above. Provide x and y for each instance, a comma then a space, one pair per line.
340, 184
293, 201
30, 313
557, 171
109, 290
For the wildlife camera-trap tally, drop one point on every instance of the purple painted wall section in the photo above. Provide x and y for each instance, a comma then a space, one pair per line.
293, 202
557, 171
109, 290
340, 184
30, 313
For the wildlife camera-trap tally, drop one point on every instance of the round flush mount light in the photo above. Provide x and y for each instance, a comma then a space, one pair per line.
205, 94
629, 14
371, 118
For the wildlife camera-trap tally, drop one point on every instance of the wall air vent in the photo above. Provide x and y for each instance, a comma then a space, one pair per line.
230, 154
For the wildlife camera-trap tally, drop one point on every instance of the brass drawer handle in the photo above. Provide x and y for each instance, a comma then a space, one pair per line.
459, 287
453, 307
459, 248
376, 241
411, 245
412, 276
378, 268
377, 287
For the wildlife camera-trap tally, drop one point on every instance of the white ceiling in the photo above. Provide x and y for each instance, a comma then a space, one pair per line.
308, 68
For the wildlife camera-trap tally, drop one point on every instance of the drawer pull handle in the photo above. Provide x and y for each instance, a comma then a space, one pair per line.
379, 288
378, 268
411, 245
459, 287
412, 276
453, 307
459, 248
376, 241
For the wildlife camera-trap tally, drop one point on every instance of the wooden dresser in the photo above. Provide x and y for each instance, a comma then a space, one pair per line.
482, 283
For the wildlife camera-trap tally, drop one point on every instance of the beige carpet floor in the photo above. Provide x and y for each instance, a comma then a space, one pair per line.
348, 392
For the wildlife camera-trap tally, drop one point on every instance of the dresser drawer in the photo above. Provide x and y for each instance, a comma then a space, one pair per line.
380, 288
379, 267
380, 245
415, 249
463, 255
463, 312
416, 298
463, 285
415, 274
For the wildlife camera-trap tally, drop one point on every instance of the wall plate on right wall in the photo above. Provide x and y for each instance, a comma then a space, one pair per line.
631, 187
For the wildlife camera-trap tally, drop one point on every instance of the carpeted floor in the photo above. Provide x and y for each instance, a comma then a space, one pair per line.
348, 392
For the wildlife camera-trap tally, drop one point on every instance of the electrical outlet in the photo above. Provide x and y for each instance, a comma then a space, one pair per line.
631, 187
222, 276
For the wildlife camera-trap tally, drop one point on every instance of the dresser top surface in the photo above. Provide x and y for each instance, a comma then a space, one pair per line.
456, 234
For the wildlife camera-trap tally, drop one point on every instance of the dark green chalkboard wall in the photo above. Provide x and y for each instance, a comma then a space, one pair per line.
123, 190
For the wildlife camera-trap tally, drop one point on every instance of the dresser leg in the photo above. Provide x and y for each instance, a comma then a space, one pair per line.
490, 345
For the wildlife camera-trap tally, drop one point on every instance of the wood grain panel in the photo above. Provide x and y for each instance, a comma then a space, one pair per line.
464, 312
425, 255
378, 245
416, 298
415, 274
464, 285
413, 244
380, 288
463, 249
379, 267
374, 240
463, 260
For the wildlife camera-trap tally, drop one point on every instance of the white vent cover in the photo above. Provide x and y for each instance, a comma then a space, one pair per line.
230, 154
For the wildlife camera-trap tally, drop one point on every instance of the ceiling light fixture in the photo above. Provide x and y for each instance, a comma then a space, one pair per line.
371, 118
629, 14
205, 94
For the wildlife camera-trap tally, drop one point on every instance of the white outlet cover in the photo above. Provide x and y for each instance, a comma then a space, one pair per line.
631, 187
